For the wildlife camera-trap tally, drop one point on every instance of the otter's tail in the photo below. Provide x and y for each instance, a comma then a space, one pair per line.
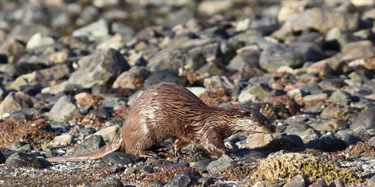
112, 146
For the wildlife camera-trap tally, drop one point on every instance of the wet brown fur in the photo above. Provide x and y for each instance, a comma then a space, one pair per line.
168, 110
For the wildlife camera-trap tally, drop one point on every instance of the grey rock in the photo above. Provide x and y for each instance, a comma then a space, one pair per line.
296, 181
277, 55
331, 84
340, 97
60, 127
321, 19
332, 111
184, 179
331, 125
26, 160
359, 134
24, 32
216, 82
95, 30
179, 17
206, 181
365, 119
109, 182
201, 165
311, 88
167, 75
13, 50
178, 165
99, 68
310, 51
220, 164
108, 133
89, 145
63, 110
15, 101
116, 158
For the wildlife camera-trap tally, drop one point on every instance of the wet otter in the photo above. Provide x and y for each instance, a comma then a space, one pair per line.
168, 110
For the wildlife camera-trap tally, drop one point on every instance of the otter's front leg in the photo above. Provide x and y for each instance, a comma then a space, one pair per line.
177, 145
213, 141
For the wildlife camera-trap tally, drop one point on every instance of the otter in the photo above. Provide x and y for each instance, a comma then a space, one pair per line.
167, 110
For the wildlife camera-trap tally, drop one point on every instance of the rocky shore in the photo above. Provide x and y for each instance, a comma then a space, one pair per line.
70, 70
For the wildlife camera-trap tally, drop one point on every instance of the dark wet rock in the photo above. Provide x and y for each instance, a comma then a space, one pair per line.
285, 142
132, 79
327, 143
185, 178
26, 160
311, 88
220, 164
148, 169
117, 158
109, 182
60, 127
89, 145
365, 119
63, 110
99, 68
2, 158
296, 181
15, 101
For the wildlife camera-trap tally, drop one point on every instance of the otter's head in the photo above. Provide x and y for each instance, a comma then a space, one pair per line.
249, 120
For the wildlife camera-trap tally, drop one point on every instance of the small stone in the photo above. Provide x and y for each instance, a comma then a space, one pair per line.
260, 90
182, 179
89, 145
108, 133
64, 110
95, 30
327, 143
309, 98
2, 158
371, 181
38, 40
63, 140
259, 140
220, 164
